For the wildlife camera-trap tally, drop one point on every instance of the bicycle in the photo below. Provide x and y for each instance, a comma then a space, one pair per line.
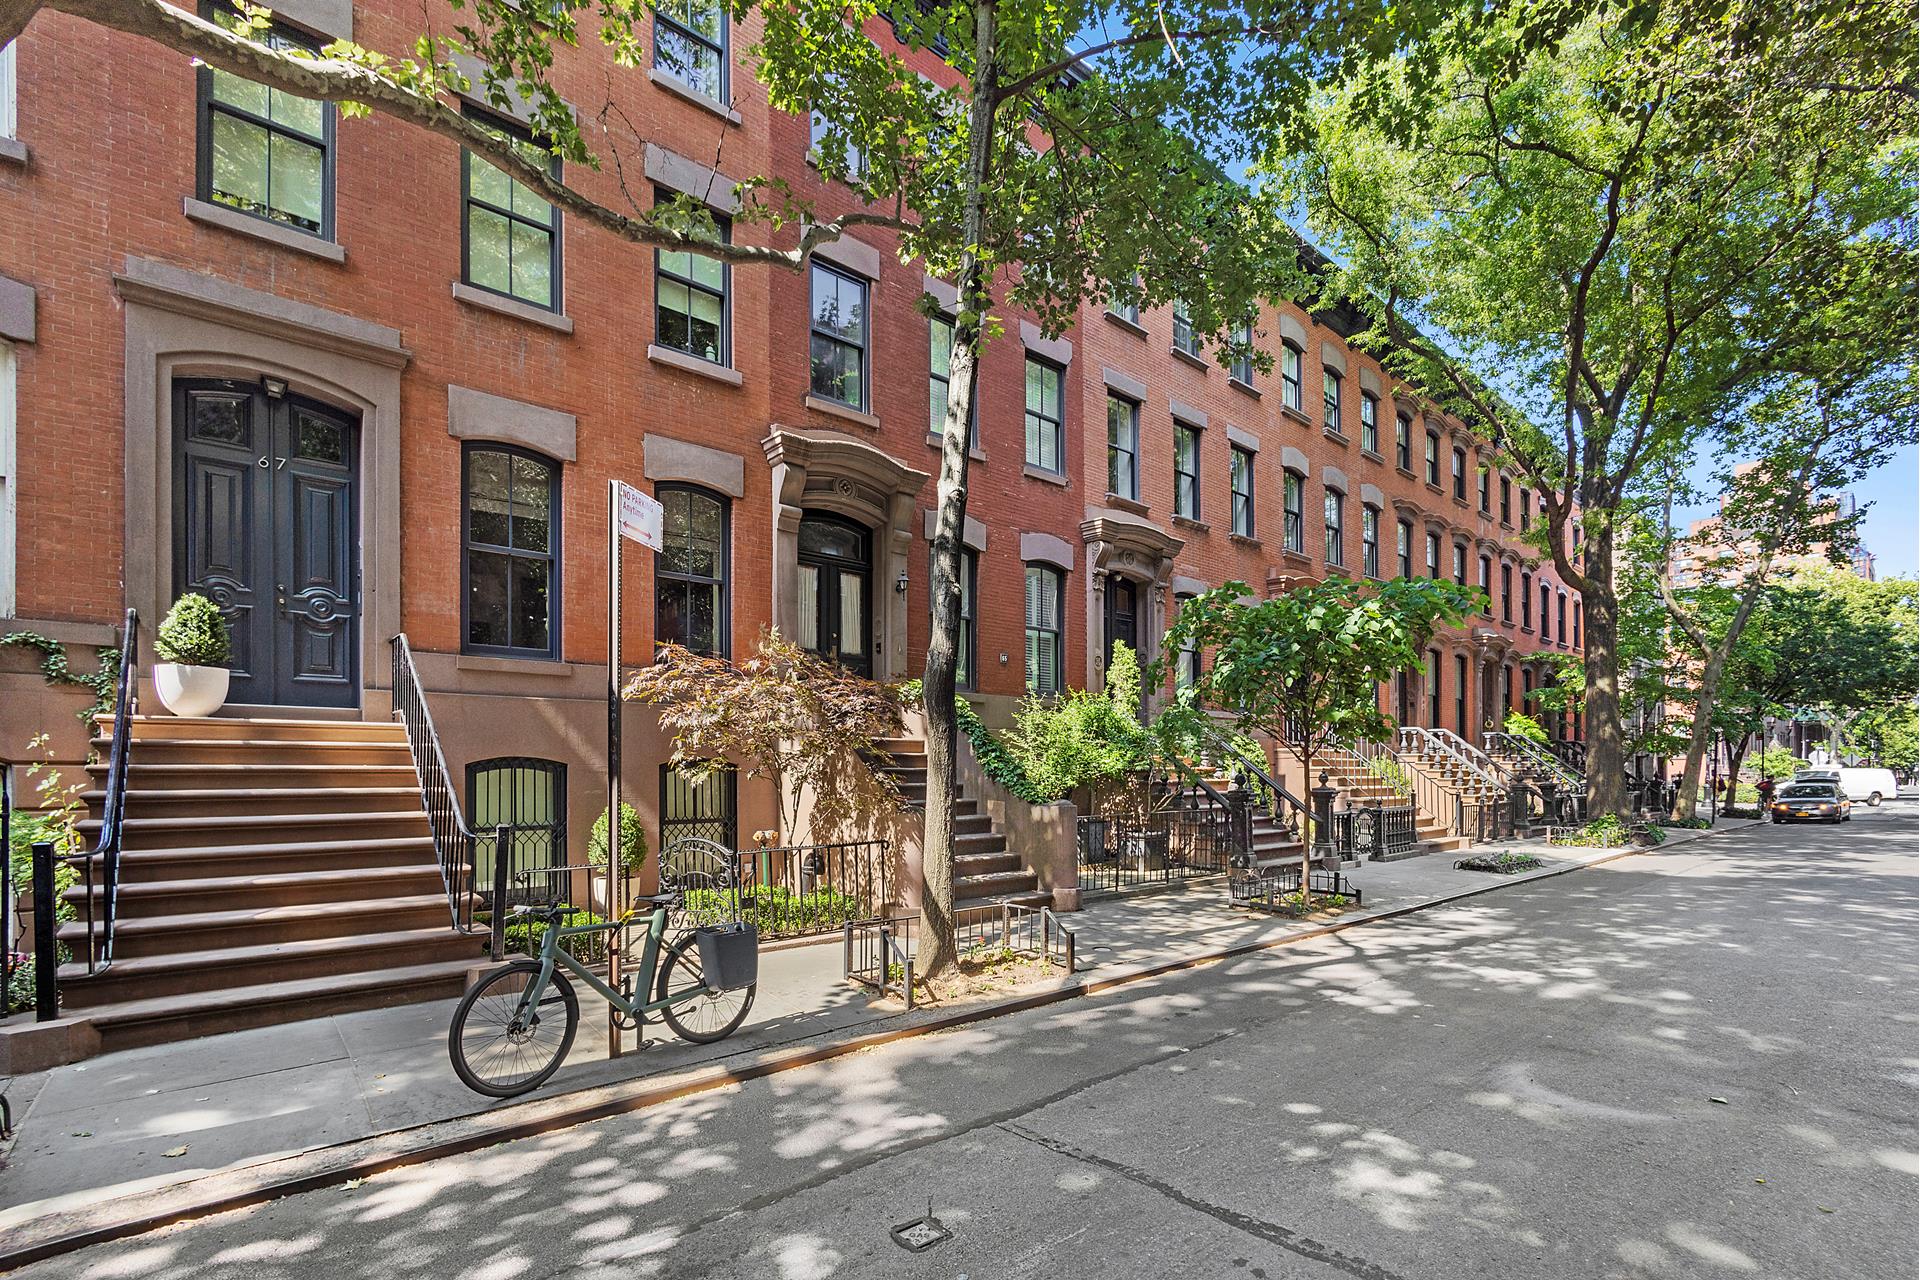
514, 1026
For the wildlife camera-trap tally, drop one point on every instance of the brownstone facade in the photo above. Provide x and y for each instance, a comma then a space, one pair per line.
120, 286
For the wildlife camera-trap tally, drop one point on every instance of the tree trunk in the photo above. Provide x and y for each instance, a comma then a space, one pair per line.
938, 950
1606, 736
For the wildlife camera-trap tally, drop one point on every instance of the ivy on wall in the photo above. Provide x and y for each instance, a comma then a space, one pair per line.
54, 667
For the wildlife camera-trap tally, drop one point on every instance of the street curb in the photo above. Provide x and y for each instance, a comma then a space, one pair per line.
358, 1158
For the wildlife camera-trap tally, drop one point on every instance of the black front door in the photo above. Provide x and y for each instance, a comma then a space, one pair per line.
1123, 602
266, 526
836, 580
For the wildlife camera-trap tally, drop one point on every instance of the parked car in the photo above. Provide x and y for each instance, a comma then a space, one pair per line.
1870, 785
1811, 800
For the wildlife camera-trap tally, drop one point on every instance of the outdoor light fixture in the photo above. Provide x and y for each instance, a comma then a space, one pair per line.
900, 585
276, 387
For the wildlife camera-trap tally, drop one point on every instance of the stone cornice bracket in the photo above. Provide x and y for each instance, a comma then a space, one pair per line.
1129, 546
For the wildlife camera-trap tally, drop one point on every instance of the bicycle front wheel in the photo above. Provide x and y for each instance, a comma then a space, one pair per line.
500, 1050
697, 1013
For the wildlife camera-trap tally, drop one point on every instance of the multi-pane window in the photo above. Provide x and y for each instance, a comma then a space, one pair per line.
1486, 493
1460, 695
1526, 601
1526, 509
1506, 500
1563, 617
512, 545
1186, 471
1404, 546
1546, 610
690, 44
1330, 397
1126, 309
1460, 474
1576, 624
1370, 541
1123, 447
529, 795
8, 120
1506, 593
1335, 512
939, 365
1433, 688
511, 236
1044, 423
690, 572
1293, 512
1186, 668
1290, 392
963, 670
1433, 458
1045, 588
838, 343
1403, 442
1460, 563
1486, 584
1242, 370
851, 158
1369, 422
690, 302
264, 151
1433, 555
1240, 477
1184, 338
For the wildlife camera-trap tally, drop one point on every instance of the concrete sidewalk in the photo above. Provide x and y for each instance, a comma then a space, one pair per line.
135, 1123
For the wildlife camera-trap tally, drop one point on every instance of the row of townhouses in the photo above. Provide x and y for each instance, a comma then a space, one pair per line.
351, 382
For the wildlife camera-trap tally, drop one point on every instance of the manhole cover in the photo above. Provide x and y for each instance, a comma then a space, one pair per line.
921, 1234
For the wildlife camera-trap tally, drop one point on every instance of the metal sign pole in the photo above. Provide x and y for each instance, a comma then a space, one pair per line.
615, 849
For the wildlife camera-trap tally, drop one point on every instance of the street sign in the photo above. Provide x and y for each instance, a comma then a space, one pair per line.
639, 515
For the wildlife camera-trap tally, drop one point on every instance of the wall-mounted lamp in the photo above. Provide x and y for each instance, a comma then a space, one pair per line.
276, 387
900, 584
1003, 657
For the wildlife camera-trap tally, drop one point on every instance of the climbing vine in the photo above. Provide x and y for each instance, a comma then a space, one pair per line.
103, 684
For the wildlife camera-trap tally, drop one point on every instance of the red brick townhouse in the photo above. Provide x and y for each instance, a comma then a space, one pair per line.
353, 383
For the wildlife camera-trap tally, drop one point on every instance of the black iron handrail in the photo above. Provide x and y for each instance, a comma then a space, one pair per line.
105, 854
1532, 753
453, 840
1280, 804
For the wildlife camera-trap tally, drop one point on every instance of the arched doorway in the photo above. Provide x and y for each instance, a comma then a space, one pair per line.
836, 590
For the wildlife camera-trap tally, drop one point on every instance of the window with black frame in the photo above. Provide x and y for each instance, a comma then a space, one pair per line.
510, 235
1242, 370
690, 572
1433, 555
528, 796
1240, 480
1370, 541
1433, 458
1486, 585
1184, 337
1123, 447
1186, 471
1460, 474
1404, 546
1330, 395
1046, 588
690, 299
511, 500
1044, 418
1291, 394
837, 353
1335, 519
1186, 668
1526, 601
1506, 593
1293, 512
690, 44
1506, 500
1369, 422
963, 671
1403, 443
939, 367
1460, 563
263, 151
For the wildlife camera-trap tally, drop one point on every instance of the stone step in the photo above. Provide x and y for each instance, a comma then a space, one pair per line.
142, 776
166, 802
992, 884
255, 926
264, 751
147, 729
137, 865
147, 898
194, 832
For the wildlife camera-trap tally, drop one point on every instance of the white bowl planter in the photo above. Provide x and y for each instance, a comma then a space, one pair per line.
190, 691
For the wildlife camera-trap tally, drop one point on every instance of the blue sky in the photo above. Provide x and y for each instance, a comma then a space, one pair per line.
1891, 530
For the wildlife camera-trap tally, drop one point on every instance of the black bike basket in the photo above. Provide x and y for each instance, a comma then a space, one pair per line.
729, 955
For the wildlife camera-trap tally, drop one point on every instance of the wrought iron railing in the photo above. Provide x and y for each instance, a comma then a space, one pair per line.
1374, 832
11, 958
453, 840
1187, 828
1267, 795
792, 891
878, 954
1034, 932
1570, 753
1531, 754
99, 867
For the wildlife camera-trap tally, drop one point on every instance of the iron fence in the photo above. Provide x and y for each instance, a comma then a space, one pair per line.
1374, 832
795, 890
1264, 892
1189, 830
878, 954
1034, 932
11, 959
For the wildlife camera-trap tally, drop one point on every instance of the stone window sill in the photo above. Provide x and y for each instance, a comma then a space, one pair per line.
1296, 557
1032, 472
551, 667
974, 451
1242, 540
13, 151
1404, 471
1371, 456
693, 95
1245, 388
1134, 505
693, 364
1288, 411
273, 233
1192, 359
1336, 437
1188, 522
1133, 327
1434, 488
500, 304
847, 413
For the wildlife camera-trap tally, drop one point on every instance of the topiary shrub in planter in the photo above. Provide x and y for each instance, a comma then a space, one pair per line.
633, 839
193, 648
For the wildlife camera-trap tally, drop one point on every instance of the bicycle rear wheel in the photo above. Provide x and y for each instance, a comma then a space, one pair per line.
496, 1051
703, 1017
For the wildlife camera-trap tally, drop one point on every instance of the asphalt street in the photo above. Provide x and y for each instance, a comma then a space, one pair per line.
1689, 1063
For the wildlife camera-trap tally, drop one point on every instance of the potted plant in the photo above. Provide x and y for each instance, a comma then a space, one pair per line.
633, 847
193, 648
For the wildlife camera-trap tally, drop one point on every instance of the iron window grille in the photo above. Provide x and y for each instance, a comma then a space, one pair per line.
1046, 589
509, 236
692, 307
703, 804
838, 338
1123, 447
691, 599
1045, 424
265, 152
1335, 507
690, 44
528, 795
511, 502
1293, 508
1240, 479
1369, 423
1186, 471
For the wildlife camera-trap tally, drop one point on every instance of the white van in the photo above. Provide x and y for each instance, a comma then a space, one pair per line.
1870, 785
